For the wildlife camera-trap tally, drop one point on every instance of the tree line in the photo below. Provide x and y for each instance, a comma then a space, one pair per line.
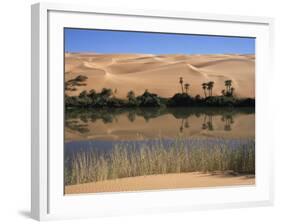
107, 97
208, 88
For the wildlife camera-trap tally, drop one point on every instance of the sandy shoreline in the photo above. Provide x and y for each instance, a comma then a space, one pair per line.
163, 181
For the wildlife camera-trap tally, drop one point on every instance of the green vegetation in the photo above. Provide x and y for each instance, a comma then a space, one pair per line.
107, 97
129, 159
71, 84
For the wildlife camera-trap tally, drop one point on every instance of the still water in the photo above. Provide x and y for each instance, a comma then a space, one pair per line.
151, 123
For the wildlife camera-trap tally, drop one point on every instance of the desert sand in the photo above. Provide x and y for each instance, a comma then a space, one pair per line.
160, 73
163, 181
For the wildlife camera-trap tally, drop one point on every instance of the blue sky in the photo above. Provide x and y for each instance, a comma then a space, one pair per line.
105, 41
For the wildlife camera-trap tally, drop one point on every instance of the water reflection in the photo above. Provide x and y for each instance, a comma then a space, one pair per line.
150, 122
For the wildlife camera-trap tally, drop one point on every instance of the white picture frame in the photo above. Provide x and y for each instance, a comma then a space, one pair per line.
48, 201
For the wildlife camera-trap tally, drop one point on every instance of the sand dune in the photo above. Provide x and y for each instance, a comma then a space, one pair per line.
164, 181
160, 73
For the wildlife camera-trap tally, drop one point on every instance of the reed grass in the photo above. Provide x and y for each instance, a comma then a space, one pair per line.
129, 159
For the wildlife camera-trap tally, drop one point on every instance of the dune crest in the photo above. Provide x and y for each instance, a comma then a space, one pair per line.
160, 73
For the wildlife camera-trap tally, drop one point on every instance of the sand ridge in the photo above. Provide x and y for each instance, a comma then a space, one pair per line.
160, 73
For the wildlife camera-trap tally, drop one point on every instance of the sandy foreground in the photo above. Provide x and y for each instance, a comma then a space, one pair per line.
165, 181
160, 73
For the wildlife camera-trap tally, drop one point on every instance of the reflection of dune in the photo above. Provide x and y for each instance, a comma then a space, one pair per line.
160, 73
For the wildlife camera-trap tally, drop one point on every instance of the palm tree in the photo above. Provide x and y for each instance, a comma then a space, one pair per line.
210, 86
106, 93
186, 86
186, 124
227, 84
83, 94
92, 93
181, 82
231, 91
204, 86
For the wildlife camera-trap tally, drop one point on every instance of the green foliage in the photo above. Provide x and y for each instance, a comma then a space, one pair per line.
71, 84
115, 102
106, 98
218, 101
180, 100
148, 99
247, 102
83, 94
106, 93
210, 86
132, 100
92, 94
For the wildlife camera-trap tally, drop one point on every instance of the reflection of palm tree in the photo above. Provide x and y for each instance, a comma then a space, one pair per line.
181, 129
181, 82
228, 120
181, 125
204, 125
107, 118
208, 124
132, 116
227, 127
184, 124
